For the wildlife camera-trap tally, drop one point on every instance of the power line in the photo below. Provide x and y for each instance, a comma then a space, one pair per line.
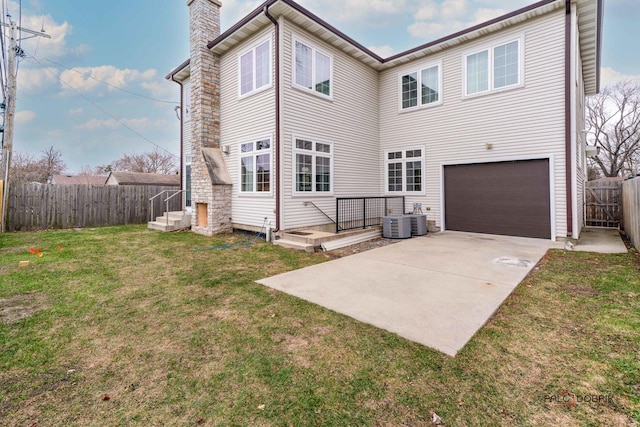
120, 122
109, 84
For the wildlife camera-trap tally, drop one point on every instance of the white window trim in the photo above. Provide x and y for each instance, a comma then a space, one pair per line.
294, 151
418, 70
252, 48
254, 154
490, 48
295, 38
404, 161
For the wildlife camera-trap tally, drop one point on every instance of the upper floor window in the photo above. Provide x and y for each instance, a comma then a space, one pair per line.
421, 87
255, 166
494, 68
313, 166
255, 68
404, 170
312, 69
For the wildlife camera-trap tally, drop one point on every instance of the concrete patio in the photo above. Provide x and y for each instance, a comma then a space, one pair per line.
437, 290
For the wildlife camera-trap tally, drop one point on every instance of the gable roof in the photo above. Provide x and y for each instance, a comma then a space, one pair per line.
78, 179
137, 178
589, 23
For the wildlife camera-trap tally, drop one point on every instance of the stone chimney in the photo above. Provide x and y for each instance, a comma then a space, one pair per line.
210, 180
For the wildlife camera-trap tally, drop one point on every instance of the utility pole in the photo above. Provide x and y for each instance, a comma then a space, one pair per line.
10, 108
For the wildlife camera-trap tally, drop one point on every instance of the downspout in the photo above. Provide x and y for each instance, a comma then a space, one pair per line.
181, 138
277, 89
574, 123
567, 116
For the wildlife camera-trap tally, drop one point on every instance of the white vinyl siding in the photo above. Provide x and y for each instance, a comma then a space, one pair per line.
349, 122
247, 119
518, 124
494, 67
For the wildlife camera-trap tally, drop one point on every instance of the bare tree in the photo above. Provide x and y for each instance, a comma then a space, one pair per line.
26, 168
89, 170
155, 161
613, 121
52, 163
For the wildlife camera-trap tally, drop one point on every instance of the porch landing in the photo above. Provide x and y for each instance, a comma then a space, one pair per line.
308, 240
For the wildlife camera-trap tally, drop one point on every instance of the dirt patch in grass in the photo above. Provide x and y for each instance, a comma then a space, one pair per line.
18, 307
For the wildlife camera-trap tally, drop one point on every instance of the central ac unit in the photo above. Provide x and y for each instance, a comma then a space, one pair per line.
418, 224
396, 227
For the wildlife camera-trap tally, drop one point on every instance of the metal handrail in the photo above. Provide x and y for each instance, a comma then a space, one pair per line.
152, 209
363, 212
321, 211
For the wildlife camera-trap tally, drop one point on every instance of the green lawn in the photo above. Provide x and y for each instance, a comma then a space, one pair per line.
135, 327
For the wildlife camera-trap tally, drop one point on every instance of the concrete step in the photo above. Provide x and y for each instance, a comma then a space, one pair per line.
292, 244
317, 238
162, 226
171, 221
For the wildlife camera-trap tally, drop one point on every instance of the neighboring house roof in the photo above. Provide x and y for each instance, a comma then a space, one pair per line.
589, 23
609, 179
136, 178
78, 179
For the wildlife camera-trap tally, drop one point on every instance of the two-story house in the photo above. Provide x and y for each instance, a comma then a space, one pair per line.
283, 114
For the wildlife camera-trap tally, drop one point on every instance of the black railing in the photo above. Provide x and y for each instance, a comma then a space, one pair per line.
363, 212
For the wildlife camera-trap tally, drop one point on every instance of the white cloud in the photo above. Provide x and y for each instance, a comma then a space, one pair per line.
453, 9
76, 111
25, 116
33, 80
235, 10
135, 124
370, 13
54, 47
384, 51
86, 79
161, 89
484, 14
438, 19
426, 12
609, 76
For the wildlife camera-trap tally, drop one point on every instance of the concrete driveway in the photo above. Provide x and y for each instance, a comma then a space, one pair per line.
437, 290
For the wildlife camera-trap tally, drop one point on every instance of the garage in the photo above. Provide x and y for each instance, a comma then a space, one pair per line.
508, 198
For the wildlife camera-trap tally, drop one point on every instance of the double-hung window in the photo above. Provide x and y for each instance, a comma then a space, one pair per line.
255, 166
312, 69
494, 68
421, 87
405, 171
313, 167
255, 68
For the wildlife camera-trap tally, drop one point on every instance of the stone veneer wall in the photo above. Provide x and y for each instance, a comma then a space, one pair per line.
204, 26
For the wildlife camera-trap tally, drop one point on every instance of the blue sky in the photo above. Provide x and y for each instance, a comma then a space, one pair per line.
86, 91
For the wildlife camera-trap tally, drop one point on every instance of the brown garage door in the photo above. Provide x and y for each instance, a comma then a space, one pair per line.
509, 198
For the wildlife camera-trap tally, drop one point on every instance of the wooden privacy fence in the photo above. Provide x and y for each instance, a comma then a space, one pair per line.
603, 204
631, 210
39, 207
